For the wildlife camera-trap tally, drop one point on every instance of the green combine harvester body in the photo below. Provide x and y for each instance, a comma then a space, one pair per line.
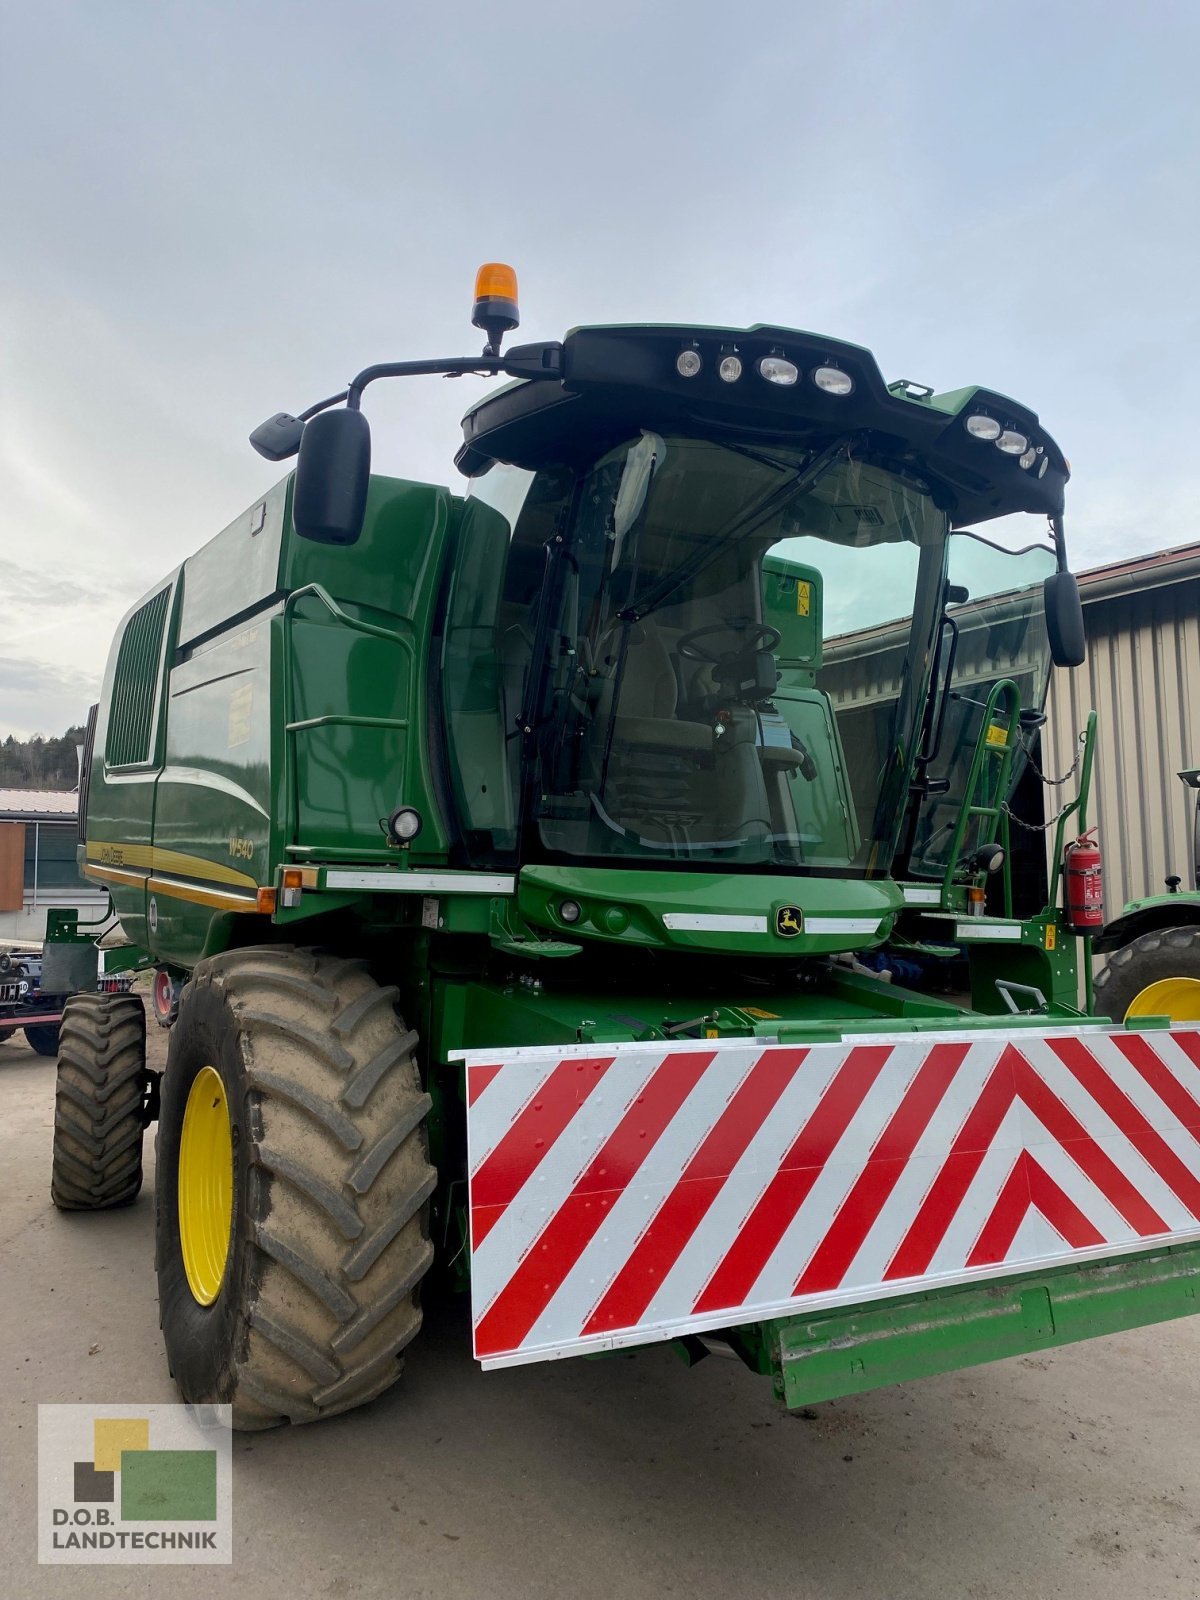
672, 786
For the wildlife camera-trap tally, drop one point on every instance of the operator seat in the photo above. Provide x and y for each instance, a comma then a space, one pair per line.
649, 687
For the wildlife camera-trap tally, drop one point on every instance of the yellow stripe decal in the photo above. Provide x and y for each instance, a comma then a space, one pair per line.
154, 858
222, 899
114, 875
199, 867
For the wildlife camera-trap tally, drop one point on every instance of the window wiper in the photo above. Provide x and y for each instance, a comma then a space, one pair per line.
798, 482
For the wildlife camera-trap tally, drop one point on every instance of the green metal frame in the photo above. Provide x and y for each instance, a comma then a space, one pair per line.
824, 1356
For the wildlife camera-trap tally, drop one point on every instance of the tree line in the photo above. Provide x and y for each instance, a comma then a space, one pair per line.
40, 763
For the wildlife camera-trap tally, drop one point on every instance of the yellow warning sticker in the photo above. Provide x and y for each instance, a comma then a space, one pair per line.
803, 597
997, 734
712, 1033
1051, 935
763, 1016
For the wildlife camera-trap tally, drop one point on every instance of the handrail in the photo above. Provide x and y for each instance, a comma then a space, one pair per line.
290, 725
1077, 806
969, 809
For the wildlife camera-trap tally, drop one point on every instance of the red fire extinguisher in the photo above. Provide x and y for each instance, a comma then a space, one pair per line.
1083, 877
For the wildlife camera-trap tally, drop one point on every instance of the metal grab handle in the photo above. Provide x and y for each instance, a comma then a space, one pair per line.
291, 727
1009, 990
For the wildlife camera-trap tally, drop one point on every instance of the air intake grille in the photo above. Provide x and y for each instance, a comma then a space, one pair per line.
130, 721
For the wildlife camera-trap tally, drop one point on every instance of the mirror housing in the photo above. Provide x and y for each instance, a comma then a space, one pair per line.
278, 437
1064, 620
329, 497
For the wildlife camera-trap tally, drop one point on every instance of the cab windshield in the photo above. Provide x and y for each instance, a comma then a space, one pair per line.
642, 660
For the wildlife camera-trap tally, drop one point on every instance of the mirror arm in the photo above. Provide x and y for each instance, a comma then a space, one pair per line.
1060, 542
456, 367
323, 405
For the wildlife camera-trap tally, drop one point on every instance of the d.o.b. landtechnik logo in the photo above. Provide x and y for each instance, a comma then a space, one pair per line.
134, 1484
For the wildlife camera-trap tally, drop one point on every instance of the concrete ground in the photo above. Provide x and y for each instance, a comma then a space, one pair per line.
1076, 1474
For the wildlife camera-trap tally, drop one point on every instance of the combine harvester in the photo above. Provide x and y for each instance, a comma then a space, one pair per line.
604, 885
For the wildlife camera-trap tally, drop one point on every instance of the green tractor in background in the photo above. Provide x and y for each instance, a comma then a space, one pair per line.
606, 886
1153, 947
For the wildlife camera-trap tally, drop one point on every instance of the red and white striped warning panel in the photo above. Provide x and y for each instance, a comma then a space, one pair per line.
628, 1194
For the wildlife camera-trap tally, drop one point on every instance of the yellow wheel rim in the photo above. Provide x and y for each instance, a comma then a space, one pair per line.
205, 1186
1177, 998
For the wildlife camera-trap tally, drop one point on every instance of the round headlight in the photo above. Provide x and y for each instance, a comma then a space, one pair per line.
730, 369
833, 380
688, 363
570, 911
778, 369
981, 427
404, 824
1012, 442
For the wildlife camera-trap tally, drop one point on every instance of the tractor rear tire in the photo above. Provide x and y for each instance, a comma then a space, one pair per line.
306, 1309
98, 1105
43, 1037
1167, 953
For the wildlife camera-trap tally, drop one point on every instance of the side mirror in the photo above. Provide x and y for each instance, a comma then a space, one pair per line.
1064, 620
332, 474
278, 437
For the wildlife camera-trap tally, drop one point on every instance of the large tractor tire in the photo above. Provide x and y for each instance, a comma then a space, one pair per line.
1157, 975
43, 1037
99, 1103
293, 1187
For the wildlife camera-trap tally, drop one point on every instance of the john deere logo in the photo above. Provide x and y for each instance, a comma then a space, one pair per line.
789, 921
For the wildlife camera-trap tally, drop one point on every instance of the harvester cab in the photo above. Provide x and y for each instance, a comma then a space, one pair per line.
602, 880
699, 618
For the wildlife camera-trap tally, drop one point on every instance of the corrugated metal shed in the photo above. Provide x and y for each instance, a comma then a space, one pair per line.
37, 805
1142, 676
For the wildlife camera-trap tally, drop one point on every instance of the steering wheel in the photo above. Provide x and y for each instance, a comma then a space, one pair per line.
759, 636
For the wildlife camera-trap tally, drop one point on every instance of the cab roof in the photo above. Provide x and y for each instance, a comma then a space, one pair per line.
609, 381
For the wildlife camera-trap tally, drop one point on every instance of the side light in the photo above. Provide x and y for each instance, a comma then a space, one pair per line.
833, 380
983, 427
404, 824
778, 369
570, 911
688, 362
1045, 462
1012, 443
730, 369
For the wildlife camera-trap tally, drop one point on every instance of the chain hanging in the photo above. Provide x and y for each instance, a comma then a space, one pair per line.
1052, 783
1057, 783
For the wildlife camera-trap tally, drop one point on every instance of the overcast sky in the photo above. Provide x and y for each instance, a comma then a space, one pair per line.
213, 211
